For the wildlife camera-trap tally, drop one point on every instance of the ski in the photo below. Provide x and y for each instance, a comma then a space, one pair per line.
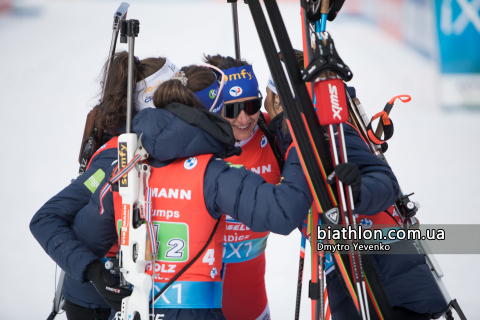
314, 16
306, 131
314, 170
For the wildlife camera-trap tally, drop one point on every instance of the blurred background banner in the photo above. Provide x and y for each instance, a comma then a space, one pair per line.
411, 21
458, 23
445, 30
5, 6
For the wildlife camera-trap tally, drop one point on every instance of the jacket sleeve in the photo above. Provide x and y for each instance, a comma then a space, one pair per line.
97, 230
51, 225
246, 197
379, 188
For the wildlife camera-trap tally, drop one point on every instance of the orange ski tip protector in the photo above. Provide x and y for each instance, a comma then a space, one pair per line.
403, 97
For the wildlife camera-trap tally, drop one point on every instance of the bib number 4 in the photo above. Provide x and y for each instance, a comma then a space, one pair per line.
209, 257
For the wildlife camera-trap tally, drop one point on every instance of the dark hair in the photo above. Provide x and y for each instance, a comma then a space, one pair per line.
113, 101
224, 62
199, 78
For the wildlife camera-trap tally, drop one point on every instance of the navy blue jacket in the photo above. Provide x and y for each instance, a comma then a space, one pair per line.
407, 279
238, 192
51, 226
379, 188
77, 241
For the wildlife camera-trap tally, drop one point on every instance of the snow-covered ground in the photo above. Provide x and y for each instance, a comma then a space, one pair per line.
48, 70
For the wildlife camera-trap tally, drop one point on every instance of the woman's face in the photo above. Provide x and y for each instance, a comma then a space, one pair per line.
244, 124
269, 103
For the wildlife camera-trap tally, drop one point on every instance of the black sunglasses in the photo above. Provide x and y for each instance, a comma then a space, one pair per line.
232, 110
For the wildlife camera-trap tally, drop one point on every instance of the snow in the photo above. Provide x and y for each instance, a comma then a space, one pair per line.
49, 67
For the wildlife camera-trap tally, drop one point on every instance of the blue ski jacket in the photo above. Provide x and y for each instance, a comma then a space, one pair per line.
406, 278
180, 131
51, 226
73, 241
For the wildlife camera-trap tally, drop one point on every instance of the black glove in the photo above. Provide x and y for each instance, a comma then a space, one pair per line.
105, 283
335, 7
350, 175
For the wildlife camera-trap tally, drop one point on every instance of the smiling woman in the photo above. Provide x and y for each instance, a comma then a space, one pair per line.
244, 292
243, 115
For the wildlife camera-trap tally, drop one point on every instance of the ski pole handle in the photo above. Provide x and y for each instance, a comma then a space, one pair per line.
236, 33
388, 107
324, 7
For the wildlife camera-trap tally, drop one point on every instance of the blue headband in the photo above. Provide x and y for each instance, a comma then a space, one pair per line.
207, 96
240, 83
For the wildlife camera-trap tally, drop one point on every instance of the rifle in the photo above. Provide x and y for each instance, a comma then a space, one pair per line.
91, 141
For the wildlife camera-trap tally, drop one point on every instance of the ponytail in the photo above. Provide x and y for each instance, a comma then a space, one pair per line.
174, 91
198, 78
113, 101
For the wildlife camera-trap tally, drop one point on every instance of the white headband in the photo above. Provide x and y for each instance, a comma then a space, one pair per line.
144, 89
271, 84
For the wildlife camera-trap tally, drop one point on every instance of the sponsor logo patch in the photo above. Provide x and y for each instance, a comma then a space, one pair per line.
332, 215
264, 141
172, 193
218, 108
334, 100
366, 223
190, 163
122, 155
125, 225
213, 93
93, 182
236, 91
213, 272
112, 290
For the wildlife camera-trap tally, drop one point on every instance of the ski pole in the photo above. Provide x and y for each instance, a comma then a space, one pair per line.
347, 209
300, 275
236, 34
403, 205
307, 45
58, 300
